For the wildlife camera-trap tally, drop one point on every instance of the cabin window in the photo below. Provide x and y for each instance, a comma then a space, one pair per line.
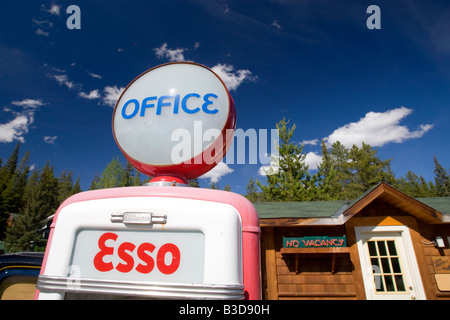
386, 268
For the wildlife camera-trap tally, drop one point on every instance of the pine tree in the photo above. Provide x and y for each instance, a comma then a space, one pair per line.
137, 179
76, 187
442, 179
94, 182
127, 176
112, 176
65, 186
328, 178
367, 170
214, 185
12, 181
252, 191
339, 162
41, 201
292, 181
194, 183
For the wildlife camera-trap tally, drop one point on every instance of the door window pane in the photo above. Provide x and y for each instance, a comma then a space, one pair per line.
392, 249
372, 249
388, 276
381, 248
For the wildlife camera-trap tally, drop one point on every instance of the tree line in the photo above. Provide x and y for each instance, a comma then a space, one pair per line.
344, 174
26, 200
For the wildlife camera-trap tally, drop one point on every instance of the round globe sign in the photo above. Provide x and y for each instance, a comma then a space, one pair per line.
176, 120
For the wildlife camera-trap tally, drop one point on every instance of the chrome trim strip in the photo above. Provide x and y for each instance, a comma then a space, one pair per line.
138, 218
140, 289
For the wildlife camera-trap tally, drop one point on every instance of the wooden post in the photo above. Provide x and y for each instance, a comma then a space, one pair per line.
271, 265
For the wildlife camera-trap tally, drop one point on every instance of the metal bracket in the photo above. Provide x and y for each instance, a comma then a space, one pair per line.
138, 218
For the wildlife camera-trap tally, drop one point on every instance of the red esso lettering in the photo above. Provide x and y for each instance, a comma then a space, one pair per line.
168, 252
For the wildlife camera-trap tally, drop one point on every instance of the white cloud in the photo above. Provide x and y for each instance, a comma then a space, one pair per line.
310, 142
29, 103
50, 139
226, 72
94, 94
93, 75
271, 168
171, 54
18, 127
232, 79
43, 23
217, 172
377, 129
55, 10
15, 129
63, 80
43, 26
41, 32
112, 94
312, 160
276, 24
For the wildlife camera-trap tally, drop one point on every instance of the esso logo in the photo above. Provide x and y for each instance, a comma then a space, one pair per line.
161, 101
166, 258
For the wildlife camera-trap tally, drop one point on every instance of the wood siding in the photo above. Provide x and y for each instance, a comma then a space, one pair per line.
317, 276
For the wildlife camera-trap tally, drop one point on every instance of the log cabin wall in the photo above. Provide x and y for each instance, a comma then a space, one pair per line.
329, 275
433, 254
305, 275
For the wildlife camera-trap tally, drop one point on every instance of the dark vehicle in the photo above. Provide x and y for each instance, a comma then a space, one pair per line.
18, 275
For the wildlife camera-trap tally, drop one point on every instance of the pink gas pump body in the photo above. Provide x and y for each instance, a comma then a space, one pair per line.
249, 220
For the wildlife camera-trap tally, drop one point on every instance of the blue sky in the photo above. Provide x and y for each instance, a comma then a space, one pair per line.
313, 62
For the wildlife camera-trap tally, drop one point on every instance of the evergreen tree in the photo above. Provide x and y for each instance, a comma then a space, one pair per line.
214, 185
137, 179
112, 176
127, 176
442, 179
328, 178
252, 191
65, 186
12, 182
13, 192
41, 201
131, 176
76, 187
415, 186
367, 170
7, 171
194, 183
292, 181
94, 182
339, 155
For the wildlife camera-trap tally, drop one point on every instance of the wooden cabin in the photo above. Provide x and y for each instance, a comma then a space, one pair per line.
383, 245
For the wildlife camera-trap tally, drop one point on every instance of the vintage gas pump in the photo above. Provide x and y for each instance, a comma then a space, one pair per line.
163, 240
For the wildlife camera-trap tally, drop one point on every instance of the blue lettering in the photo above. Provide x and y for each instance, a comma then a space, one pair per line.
176, 102
161, 103
207, 103
136, 109
145, 105
185, 99
167, 101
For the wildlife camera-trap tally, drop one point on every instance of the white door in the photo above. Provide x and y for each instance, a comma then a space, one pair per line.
388, 263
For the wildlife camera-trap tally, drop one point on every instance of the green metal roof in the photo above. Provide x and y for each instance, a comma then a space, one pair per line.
300, 209
441, 204
327, 209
